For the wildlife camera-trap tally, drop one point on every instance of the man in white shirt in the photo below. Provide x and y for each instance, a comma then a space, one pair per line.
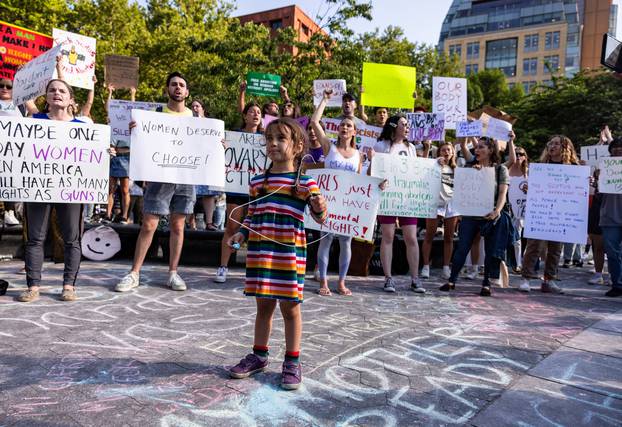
7, 108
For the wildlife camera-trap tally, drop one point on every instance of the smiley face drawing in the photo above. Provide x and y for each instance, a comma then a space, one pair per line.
101, 243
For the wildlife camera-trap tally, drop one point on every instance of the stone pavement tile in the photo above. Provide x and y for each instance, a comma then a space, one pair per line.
537, 402
598, 341
45, 421
588, 371
611, 323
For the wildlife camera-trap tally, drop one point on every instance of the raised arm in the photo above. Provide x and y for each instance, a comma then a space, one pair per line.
110, 92
284, 94
315, 122
88, 104
511, 150
133, 94
468, 157
59, 68
242, 97
361, 108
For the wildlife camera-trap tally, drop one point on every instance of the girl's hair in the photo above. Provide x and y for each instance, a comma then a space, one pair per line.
248, 106
70, 108
524, 167
388, 131
493, 146
452, 161
198, 101
297, 135
352, 142
569, 155
295, 108
616, 143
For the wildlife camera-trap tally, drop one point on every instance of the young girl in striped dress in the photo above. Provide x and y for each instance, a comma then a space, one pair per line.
276, 257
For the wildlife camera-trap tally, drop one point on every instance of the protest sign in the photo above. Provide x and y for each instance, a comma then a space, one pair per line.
557, 203
30, 81
413, 185
518, 196
366, 136
467, 129
119, 114
338, 88
53, 161
352, 201
79, 62
426, 126
121, 71
386, 85
498, 129
474, 191
592, 154
177, 150
449, 96
19, 45
610, 178
263, 84
245, 157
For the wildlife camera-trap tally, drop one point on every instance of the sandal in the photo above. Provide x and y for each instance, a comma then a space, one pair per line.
325, 292
211, 227
68, 294
345, 292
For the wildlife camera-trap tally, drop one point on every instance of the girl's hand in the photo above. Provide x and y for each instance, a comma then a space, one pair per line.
511, 135
441, 161
328, 93
112, 151
493, 215
243, 86
370, 153
224, 143
318, 203
427, 144
477, 166
383, 184
132, 125
525, 188
111, 89
236, 238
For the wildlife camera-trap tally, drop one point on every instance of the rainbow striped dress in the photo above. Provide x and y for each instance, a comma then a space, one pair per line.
277, 270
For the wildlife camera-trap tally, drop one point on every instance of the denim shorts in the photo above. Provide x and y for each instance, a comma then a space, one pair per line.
120, 166
163, 199
203, 190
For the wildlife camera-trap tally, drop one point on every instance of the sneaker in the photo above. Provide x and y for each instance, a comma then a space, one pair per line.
129, 282
221, 275
597, 279
524, 286
9, 218
248, 366
28, 296
566, 263
389, 285
4, 286
577, 263
472, 275
68, 295
551, 288
425, 272
447, 287
446, 274
415, 286
176, 283
291, 378
614, 292
486, 291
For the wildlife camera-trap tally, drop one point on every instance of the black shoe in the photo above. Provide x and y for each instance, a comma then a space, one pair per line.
485, 292
447, 287
4, 285
566, 263
577, 263
614, 292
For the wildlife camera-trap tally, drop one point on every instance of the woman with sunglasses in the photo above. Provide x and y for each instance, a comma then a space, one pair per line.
519, 171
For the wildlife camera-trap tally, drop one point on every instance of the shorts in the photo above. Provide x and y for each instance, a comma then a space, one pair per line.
203, 190
403, 220
120, 166
163, 198
447, 211
237, 199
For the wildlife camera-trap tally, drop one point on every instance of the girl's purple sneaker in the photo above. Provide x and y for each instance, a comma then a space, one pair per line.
248, 366
291, 378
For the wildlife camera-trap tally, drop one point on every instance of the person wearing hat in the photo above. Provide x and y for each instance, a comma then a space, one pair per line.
348, 107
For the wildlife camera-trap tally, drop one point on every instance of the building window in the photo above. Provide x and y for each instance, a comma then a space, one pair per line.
548, 83
305, 29
531, 42
528, 86
276, 24
530, 66
455, 49
472, 50
551, 40
472, 68
501, 54
551, 64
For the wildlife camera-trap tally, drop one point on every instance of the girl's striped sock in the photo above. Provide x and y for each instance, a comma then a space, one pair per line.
292, 356
261, 351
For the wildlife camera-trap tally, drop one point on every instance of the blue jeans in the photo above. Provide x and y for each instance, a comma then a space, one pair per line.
612, 237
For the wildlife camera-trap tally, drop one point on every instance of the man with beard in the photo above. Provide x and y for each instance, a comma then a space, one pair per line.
162, 199
348, 107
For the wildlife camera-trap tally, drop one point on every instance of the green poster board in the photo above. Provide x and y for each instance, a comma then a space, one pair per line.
263, 84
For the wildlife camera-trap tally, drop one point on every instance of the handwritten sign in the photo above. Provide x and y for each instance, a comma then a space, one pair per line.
366, 136
592, 154
413, 186
79, 62
610, 179
263, 84
121, 71
388, 85
517, 195
245, 157
557, 203
177, 150
18, 46
426, 126
53, 161
467, 129
352, 203
449, 96
474, 191
498, 129
30, 81
119, 114
337, 86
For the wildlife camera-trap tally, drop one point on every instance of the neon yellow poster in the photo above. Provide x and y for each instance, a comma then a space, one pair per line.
386, 85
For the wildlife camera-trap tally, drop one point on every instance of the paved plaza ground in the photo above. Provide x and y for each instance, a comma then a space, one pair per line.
158, 357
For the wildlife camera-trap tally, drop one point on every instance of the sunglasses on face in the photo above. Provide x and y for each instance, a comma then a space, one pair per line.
6, 86
520, 154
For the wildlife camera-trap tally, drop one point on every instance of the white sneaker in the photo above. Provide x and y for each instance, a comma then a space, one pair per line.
176, 283
415, 286
9, 218
221, 275
472, 275
597, 279
389, 285
129, 282
524, 286
316, 274
446, 274
425, 272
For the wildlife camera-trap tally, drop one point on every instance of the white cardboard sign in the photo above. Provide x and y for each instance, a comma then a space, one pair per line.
245, 157
413, 186
366, 136
557, 203
466, 129
53, 161
30, 81
177, 150
78, 57
337, 86
592, 154
474, 191
498, 129
517, 195
610, 179
449, 96
119, 115
352, 201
